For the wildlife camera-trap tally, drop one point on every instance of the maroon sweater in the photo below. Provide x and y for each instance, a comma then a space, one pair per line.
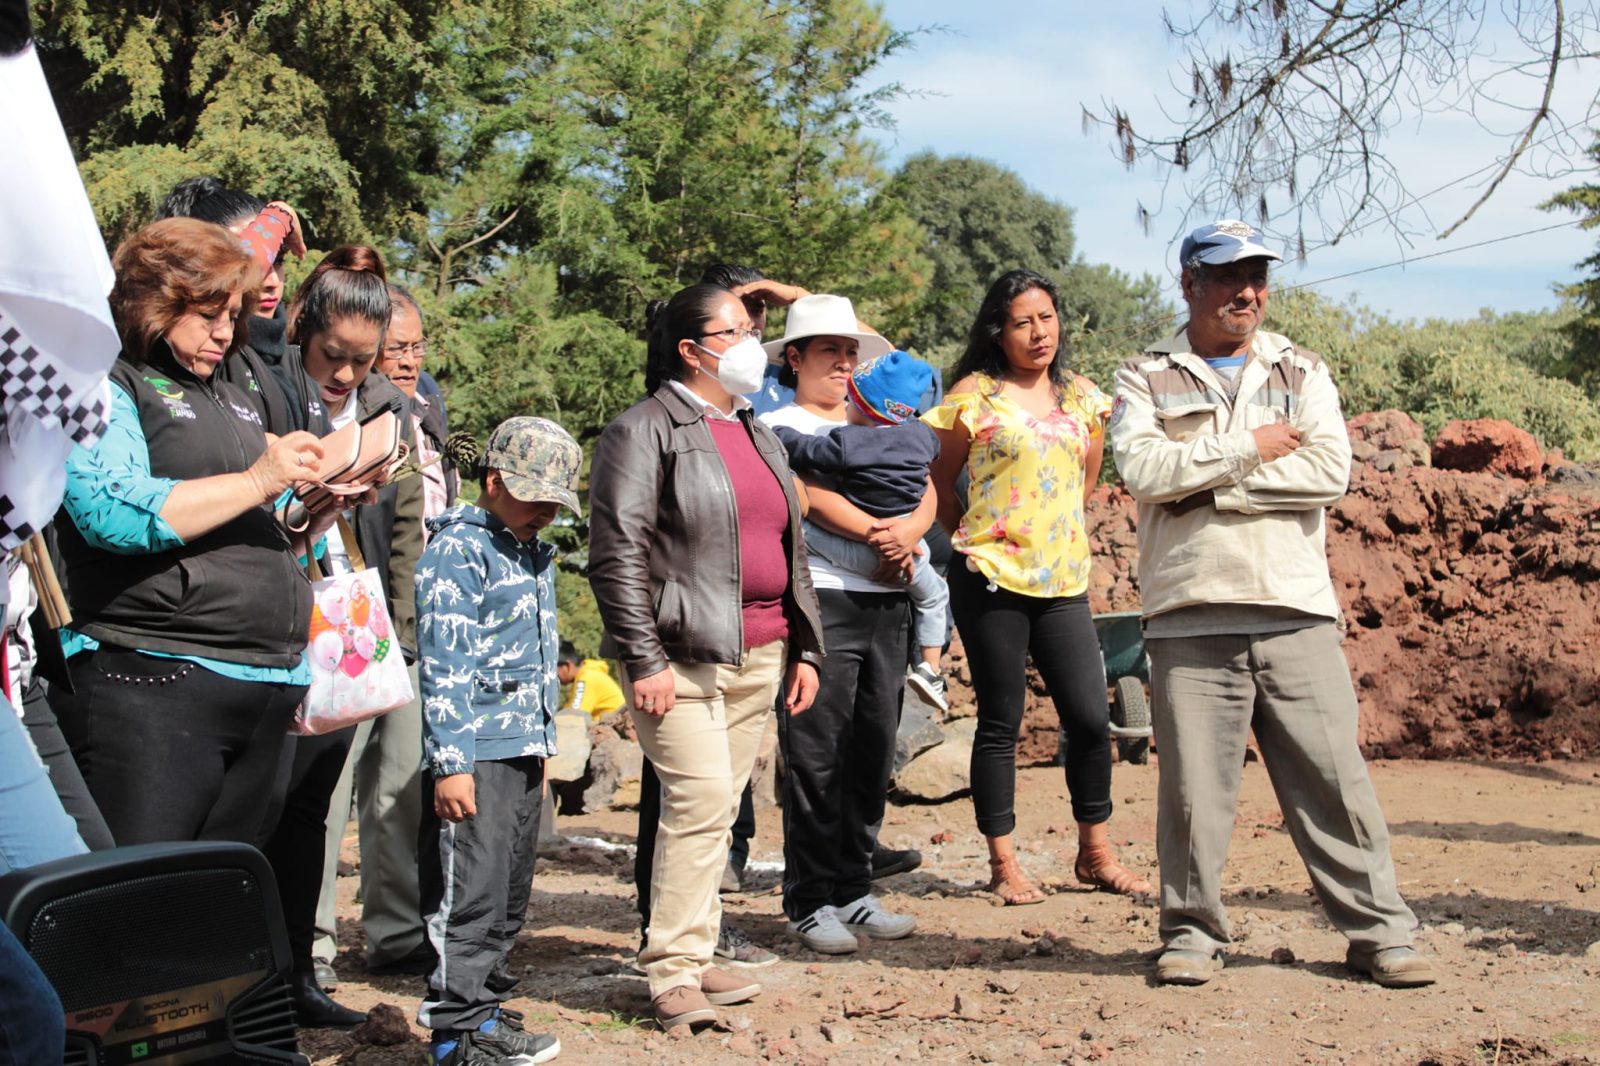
763, 519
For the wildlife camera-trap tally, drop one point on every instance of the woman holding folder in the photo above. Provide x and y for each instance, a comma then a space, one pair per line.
337, 324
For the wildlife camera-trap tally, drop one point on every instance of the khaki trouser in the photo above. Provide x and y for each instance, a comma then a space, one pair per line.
703, 750
384, 770
1295, 689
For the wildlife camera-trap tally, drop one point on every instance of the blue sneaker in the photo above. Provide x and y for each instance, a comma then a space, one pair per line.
443, 1048
500, 1041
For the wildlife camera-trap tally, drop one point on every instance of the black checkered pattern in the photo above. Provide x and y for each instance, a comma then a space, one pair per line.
15, 530
32, 386
29, 381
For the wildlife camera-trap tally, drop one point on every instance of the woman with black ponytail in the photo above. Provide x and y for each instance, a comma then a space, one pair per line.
336, 328
698, 566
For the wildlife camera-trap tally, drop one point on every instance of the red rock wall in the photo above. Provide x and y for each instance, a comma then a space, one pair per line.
1472, 601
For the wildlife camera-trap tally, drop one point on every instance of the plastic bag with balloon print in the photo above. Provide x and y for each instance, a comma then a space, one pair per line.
357, 670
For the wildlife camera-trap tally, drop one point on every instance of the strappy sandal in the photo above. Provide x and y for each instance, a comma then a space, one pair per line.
1097, 865
1011, 884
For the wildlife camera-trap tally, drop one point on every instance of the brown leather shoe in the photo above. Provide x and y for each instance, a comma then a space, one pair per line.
725, 989
683, 1005
1396, 967
1097, 866
1178, 966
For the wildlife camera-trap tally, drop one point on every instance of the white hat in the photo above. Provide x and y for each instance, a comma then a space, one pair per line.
825, 316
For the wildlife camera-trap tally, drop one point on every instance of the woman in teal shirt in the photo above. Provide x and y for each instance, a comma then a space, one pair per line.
189, 607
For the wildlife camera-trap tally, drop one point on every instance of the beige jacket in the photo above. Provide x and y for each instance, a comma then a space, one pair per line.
1216, 525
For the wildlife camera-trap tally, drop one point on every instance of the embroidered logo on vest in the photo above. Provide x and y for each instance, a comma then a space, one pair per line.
244, 414
172, 396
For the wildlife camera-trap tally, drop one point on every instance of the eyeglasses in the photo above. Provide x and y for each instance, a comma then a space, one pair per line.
398, 351
734, 335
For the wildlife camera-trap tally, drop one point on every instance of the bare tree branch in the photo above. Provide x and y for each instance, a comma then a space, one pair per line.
1539, 116
502, 224
1288, 109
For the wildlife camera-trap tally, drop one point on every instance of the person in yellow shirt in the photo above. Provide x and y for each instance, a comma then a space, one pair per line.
1029, 433
586, 684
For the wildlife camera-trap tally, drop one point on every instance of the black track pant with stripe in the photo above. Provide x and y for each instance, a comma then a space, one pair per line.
476, 877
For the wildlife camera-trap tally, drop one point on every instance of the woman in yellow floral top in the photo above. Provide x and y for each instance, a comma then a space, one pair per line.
1029, 433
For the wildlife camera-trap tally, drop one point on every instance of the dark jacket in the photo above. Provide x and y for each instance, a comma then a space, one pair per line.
389, 532
664, 535
881, 469
306, 411
236, 593
296, 405
248, 372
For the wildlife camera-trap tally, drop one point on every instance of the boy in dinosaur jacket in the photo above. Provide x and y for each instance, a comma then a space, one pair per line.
486, 632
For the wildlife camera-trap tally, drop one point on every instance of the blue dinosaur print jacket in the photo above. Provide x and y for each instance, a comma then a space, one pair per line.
486, 636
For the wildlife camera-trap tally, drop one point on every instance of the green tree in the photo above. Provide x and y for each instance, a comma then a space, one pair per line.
980, 220
672, 134
1487, 367
308, 100
1582, 365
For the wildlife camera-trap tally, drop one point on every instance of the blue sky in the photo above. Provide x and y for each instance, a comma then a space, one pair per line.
1008, 83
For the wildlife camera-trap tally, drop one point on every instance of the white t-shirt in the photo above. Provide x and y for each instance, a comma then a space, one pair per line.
824, 575
337, 559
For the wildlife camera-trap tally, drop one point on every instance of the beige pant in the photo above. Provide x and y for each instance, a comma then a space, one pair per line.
703, 751
1295, 688
384, 770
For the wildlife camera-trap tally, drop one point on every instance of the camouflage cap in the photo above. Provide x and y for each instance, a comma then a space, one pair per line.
537, 459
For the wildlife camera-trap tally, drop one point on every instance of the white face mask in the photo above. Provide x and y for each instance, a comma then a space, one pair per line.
741, 367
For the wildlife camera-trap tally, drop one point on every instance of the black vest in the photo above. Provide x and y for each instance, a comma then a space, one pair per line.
237, 593
247, 372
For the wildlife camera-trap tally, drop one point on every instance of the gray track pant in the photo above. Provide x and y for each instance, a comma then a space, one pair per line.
478, 885
1294, 688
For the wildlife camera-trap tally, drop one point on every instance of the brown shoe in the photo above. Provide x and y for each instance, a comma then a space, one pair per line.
1396, 967
1012, 885
1097, 866
1178, 966
682, 1005
725, 989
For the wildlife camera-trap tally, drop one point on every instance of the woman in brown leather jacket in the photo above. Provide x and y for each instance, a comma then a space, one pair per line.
698, 565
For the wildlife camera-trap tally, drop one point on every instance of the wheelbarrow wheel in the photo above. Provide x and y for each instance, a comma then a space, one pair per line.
1131, 710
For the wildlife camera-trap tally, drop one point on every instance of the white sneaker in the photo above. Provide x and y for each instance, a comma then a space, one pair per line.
929, 684
821, 932
866, 915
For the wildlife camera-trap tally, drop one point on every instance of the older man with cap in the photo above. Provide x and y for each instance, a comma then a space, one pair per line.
1232, 440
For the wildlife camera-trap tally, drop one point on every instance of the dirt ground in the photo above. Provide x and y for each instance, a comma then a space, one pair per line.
1500, 862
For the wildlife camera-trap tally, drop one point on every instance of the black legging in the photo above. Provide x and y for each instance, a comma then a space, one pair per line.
838, 755
171, 750
998, 629
295, 848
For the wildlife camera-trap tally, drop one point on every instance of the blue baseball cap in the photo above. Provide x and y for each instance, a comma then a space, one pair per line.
1224, 241
887, 389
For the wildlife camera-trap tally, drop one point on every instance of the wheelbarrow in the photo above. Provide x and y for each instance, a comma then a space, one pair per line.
1127, 672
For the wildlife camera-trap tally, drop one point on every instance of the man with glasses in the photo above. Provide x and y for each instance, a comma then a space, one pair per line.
404, 349
1232, 440
386, 757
